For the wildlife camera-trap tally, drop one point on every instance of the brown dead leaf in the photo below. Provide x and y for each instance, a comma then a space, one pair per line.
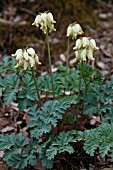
7, 129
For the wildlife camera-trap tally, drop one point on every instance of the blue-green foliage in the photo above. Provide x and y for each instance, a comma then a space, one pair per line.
100, 138
28, 93
54, 146
9, 85
99, 100
7, 65
17, 153
20, 87
43, 119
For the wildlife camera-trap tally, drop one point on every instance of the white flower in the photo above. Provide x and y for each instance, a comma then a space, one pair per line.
77, 55
84, 49
92, 44
29, 57
90, 54
83, 55
32, 62
26, 56
69, 31
25, 65
78, 27
37, 59
19, 64
50, 17
78, 43
31, 51
18, 55
37, 20
45, 21
73, 30
85, 41
43, 16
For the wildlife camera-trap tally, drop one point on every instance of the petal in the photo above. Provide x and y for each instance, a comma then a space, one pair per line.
31, 51
93, 44
83, 55
90, 54
69, 31
78, 43
85, 41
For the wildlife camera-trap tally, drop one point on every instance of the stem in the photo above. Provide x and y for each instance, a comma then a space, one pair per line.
84, 95
37, 90
78, 95
50, 67
67, 58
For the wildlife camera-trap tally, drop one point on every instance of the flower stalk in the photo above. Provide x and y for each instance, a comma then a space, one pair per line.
37, 90
67, 58
50, 66
79, 87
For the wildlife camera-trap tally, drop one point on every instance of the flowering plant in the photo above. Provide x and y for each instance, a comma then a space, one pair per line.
49, 130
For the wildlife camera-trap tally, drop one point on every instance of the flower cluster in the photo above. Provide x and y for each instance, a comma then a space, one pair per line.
45, 21
84, 49
73, 30
26, 57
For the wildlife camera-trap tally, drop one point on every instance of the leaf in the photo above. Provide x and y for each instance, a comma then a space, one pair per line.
8, 153
48, 115
10, 85
51, 152
6, 141
17, 161
9, 96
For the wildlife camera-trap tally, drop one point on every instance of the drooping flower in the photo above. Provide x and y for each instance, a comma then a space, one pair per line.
26, 57
18, 55
85, 41
31, 51
78, 44
84, 49
92, 44
45, 21
73, 30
